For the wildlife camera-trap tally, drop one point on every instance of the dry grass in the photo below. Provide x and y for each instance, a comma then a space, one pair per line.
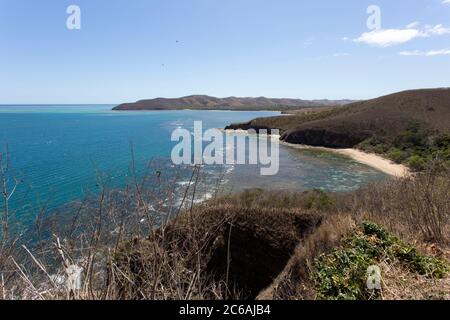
415, 208
401, 284
295, 282
254, 244
237, 250
88, 236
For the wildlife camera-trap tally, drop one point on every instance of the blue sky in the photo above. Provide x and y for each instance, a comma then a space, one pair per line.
130, 50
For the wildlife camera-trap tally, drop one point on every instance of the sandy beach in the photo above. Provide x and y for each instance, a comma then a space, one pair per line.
373, 160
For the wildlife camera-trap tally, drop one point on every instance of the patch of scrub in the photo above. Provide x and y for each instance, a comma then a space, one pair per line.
342, 274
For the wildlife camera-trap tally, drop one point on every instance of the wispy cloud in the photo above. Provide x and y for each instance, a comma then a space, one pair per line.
413, 24
446, 1
411, 53
391, 37
432, 53
341, 54
436, 30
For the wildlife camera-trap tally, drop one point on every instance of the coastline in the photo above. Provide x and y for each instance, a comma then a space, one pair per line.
370, 159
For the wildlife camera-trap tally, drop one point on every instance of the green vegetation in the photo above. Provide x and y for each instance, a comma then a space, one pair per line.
317, 199
342, 274
415, 147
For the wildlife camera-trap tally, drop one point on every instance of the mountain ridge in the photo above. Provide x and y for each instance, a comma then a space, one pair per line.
205, 102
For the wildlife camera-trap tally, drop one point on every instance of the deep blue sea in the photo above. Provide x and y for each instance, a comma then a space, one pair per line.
57, 151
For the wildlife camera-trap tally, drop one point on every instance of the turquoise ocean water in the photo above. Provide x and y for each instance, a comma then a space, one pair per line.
56, 151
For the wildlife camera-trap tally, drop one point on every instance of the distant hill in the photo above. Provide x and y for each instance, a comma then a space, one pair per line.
203, 102
406, 126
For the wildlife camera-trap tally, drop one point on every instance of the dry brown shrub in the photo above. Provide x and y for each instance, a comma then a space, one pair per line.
415, 208
294, 282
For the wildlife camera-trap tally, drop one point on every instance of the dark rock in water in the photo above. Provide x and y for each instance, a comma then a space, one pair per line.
247, 126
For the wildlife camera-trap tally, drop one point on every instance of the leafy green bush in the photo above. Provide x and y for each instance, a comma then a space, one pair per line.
342, 274
412, 138
417, 162
419, 263
397, 155
317, 199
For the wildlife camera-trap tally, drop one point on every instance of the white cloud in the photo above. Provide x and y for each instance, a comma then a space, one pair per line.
436, 30
391, 37
443, 52
445, 1
432, 53
413, 24
411, 53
